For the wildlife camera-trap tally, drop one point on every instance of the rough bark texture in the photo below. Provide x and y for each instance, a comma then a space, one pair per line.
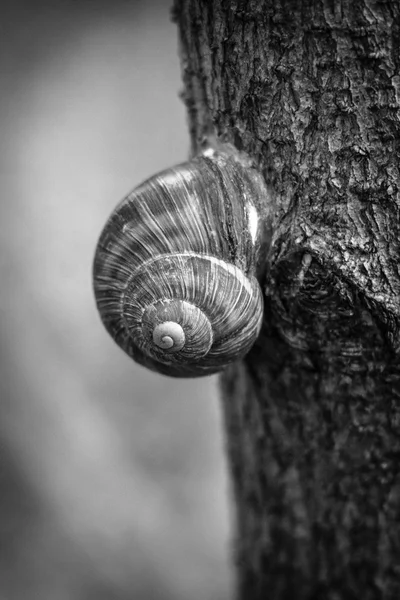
311, 89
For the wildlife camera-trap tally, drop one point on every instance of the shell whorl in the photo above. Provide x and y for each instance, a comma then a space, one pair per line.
176, 265
168, 335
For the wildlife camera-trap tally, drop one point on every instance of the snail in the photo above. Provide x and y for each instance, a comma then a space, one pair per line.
177, 266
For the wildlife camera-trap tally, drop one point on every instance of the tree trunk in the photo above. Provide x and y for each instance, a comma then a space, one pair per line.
311, 90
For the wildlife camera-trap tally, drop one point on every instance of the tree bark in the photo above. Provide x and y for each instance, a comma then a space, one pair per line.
311, 90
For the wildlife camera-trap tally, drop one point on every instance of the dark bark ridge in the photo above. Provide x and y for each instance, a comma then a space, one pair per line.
311, 90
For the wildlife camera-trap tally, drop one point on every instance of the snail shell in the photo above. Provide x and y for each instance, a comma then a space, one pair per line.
176, 266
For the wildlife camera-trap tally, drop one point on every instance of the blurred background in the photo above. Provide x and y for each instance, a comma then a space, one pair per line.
112, 479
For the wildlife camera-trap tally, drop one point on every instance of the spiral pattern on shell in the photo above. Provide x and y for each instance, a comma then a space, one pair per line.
175, 271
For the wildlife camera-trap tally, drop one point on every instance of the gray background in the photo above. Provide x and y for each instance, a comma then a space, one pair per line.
113, 481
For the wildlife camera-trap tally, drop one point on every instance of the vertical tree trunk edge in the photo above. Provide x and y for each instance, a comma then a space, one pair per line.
311, 90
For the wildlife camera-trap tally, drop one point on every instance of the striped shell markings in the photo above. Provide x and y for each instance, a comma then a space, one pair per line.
176, 267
